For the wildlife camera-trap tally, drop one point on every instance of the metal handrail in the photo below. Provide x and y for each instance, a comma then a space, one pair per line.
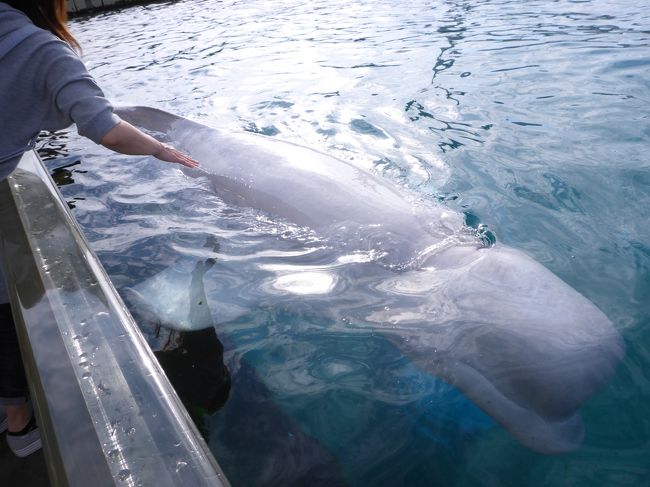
107, 412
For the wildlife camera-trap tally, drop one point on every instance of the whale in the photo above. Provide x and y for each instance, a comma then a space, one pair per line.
523, 345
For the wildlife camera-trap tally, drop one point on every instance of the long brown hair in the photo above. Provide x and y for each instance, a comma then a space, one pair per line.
50, 15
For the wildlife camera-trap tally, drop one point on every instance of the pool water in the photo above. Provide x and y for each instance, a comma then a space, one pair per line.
530, 118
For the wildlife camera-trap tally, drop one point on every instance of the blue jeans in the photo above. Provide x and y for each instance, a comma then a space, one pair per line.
13, 384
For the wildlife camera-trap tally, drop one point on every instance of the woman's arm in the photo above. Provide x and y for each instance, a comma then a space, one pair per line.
73, 96
126, 139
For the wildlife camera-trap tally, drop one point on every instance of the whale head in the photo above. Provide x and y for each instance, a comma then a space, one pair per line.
522, 344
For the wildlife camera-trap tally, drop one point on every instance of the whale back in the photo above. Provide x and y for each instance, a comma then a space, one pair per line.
306, 187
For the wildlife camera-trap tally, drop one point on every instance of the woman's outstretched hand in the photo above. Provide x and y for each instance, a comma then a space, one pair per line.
168, 154
126, 139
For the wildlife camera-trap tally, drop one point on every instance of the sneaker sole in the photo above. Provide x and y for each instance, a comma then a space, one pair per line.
28, 449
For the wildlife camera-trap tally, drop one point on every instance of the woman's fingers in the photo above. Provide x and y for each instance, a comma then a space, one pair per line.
183, 159
169, 154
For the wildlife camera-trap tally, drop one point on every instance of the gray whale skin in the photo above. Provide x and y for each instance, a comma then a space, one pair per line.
523, 345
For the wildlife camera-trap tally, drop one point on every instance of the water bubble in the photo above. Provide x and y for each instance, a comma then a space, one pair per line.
130, 431
124, 474
103, 388
113, 454
180, 465
86, 375
83, 355
84, 364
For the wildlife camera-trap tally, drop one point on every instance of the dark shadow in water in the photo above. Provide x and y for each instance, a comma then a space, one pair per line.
63, 175
52, 149
52, 145
193, 362
257, 444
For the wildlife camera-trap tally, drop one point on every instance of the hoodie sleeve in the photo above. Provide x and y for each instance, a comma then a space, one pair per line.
75, 94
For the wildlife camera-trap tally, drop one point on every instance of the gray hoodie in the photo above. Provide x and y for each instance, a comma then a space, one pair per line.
43, 86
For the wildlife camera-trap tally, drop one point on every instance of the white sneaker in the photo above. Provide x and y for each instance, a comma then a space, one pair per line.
25, 442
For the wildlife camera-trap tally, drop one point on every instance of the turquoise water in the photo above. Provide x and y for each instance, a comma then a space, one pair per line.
531, 118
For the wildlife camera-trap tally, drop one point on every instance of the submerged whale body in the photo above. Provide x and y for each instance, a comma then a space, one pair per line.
523, 345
